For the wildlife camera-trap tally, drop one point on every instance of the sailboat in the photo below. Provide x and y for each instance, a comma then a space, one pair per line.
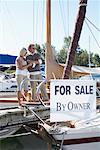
83, 134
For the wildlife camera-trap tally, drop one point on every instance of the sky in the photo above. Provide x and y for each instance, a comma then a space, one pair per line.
24, 21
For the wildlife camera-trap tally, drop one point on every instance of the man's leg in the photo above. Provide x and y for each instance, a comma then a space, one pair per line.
33, 87
43, 89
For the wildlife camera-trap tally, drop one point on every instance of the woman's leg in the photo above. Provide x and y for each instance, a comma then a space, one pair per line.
20, 97
25, 88
19, 79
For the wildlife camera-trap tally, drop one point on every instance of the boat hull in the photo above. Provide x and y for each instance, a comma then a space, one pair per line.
85, 146
89, 143
87, 137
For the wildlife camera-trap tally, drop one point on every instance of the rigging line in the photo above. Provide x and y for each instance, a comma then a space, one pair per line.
68, 15
42, 21
1, 23
92, 34
93, 24
33, 21
13, 31
62, 17
36, 20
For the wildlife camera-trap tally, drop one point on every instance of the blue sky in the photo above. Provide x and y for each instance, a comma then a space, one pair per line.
23, 22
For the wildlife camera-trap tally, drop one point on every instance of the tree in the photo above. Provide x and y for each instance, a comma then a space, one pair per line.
41, 51
62, 55
96, 60
81, 58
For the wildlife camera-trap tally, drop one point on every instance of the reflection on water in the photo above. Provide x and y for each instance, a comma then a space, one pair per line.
30, 142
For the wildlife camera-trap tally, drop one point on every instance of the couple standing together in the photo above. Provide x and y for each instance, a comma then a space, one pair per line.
29, 62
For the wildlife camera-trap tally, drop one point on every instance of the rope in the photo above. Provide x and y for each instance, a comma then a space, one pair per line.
84, 4
62, 9
42, 21
92, 24
36, 21
61, 147
68, 16
12, 26
92, 34
11, 23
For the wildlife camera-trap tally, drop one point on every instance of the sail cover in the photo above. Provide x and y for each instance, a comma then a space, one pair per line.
7, 59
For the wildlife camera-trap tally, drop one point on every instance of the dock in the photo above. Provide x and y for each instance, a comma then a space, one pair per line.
14, 117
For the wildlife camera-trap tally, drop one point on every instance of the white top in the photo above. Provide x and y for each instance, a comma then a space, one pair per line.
22, 72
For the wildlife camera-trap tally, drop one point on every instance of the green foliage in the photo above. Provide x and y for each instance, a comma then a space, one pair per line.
81, 56
96, 60
62, 55
41, 51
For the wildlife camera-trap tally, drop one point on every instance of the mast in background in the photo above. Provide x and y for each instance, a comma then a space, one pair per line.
53, 69
48, 21
89, 54
48, 52
75, 39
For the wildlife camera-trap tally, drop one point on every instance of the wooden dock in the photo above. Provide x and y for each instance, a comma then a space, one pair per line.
13, 116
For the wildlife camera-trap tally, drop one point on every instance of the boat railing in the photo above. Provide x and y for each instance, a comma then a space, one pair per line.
28, 79
41, 82
38, 89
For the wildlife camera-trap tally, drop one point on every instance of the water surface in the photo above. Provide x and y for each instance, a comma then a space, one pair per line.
29, 142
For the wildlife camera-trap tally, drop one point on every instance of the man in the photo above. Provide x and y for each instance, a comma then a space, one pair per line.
35, 72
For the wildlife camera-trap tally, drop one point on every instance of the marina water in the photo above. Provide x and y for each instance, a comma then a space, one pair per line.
29, 142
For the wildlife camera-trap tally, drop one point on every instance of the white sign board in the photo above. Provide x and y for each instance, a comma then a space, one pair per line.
72, 100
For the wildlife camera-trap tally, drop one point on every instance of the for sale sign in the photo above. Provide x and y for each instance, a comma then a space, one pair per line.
72, 99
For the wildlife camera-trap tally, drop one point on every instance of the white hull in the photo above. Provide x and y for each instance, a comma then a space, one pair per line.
8, 105
8, 102
80, 141
8, 84
87, 146
85, 135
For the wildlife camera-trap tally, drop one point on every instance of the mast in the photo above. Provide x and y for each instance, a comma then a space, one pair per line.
53, 69
48, 21
75, 39
48, 52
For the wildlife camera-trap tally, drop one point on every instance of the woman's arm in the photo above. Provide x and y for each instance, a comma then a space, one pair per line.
21, 66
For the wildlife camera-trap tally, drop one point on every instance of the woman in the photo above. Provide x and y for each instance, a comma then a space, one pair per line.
21, 73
